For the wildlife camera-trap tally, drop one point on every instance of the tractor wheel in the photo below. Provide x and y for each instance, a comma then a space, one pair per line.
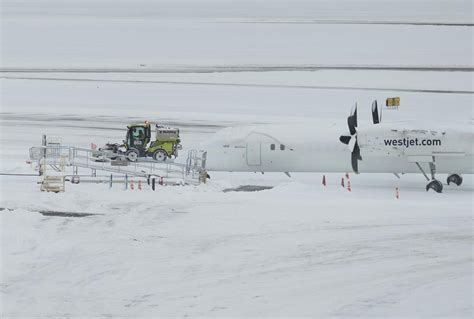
160, 155
132, 155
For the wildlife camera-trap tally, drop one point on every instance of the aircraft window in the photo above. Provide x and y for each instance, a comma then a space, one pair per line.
282, 147
272, 147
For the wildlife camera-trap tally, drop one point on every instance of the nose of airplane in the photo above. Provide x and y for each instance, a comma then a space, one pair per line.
219, 151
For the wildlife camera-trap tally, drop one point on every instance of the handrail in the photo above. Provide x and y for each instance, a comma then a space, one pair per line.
84, 158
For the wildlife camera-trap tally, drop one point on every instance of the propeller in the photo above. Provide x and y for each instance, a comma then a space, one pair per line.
376, 117
351, 141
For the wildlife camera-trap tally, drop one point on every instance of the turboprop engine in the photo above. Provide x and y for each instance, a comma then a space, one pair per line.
402, 139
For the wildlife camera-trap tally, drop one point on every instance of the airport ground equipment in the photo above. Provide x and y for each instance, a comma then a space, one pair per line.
52, 183
57, 156
138, 143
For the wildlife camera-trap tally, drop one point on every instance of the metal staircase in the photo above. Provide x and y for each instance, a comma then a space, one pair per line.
56, 155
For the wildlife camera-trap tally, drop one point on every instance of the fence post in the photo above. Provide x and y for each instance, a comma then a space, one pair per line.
153, 183
111, 180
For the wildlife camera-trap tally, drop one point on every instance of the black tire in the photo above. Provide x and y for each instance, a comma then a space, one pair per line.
455, 178
435, 185
132, 155
160, 155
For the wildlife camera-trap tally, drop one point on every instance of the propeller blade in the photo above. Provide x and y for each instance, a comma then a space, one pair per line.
352, 123
357, 151
355, 158
345, 139
380, 116
352, 120
355, 163
375, 113
352, 144
351, 141
354, 114
354, 109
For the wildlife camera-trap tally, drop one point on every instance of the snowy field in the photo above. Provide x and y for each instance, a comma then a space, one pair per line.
82, 70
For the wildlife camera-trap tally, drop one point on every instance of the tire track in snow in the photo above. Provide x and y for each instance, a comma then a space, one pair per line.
354, 22
280, 86
246, 68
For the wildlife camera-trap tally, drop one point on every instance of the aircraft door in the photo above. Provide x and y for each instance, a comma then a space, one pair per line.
254, 154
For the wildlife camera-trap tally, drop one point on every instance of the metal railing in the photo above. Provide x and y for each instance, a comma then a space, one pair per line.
144, 167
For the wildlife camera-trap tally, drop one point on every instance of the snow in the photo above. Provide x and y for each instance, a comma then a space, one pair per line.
184, 33
296, 249
200, 252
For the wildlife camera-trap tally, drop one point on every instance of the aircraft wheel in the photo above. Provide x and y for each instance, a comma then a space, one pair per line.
435, 185
455, 178
160, 155
132, 155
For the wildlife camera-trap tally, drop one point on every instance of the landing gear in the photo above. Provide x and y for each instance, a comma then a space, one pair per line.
454, 178
433, 184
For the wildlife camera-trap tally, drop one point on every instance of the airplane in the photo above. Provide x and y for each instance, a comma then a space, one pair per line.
398, 148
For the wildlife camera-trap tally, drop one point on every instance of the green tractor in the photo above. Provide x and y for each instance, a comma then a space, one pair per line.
138, 143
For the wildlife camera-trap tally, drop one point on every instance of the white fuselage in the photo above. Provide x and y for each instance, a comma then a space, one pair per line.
308, 148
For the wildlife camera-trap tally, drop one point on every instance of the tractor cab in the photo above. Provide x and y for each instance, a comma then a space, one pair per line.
138, 137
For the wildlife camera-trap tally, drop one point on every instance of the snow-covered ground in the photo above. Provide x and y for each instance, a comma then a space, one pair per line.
297, 249
150, 34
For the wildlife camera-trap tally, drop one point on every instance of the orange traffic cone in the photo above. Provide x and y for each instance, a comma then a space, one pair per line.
342, 183
324, 180
132, 186
140, 185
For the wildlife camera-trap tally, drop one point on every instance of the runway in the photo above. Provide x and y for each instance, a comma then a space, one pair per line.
344, 88
244, 68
